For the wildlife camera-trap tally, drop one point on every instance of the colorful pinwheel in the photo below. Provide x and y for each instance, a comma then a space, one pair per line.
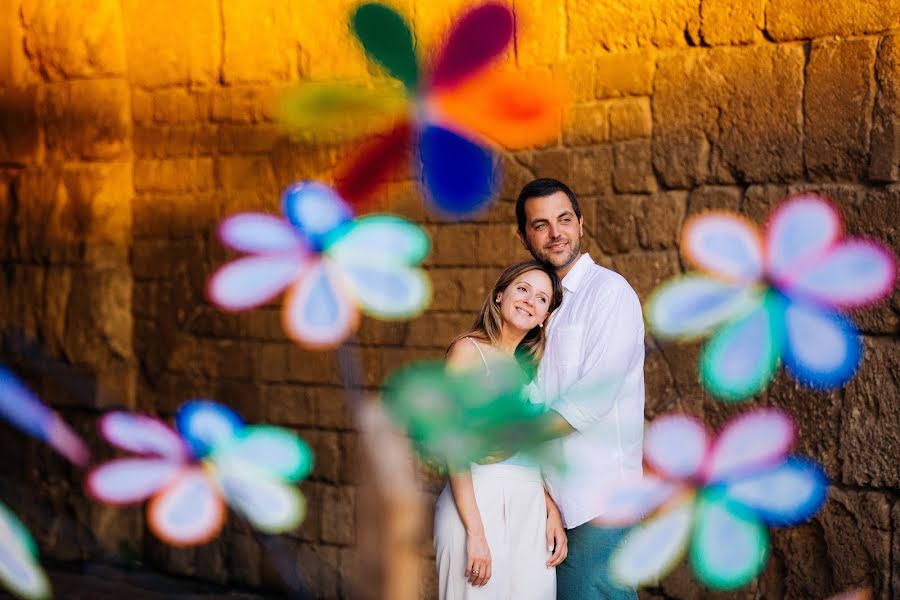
716, 496
772, 299
212, 457
19, 568
450, 111
461, 417
21, 408
331, 264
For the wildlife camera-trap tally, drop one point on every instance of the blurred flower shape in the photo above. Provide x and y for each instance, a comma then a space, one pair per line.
716, 496
773, 298
331, 264
448, 114
21, 408
190, 475
20, 571
463, 417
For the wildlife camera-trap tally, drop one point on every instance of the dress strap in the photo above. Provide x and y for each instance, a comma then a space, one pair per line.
483, 359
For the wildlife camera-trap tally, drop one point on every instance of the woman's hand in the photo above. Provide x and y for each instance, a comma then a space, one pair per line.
478, 559
557, 542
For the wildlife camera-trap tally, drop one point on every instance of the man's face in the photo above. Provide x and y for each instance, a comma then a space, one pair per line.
552, 231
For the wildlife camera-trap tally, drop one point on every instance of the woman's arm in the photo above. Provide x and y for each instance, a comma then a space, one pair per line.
557, 542
464, 355
478, 554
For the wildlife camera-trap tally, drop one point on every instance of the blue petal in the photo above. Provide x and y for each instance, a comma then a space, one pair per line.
822, 349
458, 174
316, 211
204, 424
785, 495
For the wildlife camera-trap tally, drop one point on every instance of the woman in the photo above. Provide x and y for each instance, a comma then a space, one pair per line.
497, 532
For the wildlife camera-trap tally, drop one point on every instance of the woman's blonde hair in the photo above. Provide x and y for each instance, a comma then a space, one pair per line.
489, 323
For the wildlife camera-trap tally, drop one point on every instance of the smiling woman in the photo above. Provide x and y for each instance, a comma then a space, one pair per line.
497, 533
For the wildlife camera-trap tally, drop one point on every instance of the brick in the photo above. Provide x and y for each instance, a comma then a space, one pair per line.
269, 28
78, 213
616, 228
240, 139
729, 131
797, 19
338, 515
868, 439
98, 317
326, 448
585, 125
724, 22
15, 68
244, 558
591, 170
647, 270
377, 332
78, 39
708, 197
238, 104
885, 142
320, 565
659, 222
630, 24
630, 119
176, 141
633, 167
337, 54
173, 175
577, 74
455, 245
839, 97
89, 119
289, 405
436, 330
625, 74
177, 106
173, 43
245, 173
540, 31
20, 131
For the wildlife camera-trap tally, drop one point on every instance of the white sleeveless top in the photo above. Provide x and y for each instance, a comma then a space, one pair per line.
531, 392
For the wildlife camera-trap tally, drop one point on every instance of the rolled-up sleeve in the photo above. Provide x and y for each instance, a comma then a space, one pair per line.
614, 352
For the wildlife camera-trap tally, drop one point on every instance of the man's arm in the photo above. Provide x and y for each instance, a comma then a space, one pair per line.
615, 344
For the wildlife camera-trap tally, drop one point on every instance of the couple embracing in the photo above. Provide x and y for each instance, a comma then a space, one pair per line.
508, 529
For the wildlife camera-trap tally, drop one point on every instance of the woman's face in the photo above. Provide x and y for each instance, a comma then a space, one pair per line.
525, 302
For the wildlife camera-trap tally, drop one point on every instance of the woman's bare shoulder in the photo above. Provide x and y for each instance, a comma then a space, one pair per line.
463, 354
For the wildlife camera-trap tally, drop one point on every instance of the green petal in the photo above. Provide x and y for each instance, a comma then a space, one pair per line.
388, 41
730, 546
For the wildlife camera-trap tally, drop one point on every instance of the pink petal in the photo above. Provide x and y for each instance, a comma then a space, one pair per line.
850, 274
627, 502
318, 312
260, 233
749, 443
254, 280
143, 435
188, 512
130, 480
676, 446
800, 230
725, 245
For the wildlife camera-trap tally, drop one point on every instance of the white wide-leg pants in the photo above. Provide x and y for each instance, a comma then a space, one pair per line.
511, 501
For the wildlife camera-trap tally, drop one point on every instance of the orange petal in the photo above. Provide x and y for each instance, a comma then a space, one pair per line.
514, 109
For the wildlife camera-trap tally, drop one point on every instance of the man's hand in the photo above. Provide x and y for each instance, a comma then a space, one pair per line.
478, 559
557, 541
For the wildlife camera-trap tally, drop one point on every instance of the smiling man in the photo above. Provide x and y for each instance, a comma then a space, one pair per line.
592, 373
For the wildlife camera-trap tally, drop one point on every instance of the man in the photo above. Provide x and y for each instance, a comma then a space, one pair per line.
592, 373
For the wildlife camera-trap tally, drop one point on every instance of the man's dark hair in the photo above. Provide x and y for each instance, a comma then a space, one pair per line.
538, 189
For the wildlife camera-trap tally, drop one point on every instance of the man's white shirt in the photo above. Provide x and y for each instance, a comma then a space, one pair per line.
592, 373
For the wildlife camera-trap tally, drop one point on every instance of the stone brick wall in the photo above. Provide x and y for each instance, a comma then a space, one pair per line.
128, 129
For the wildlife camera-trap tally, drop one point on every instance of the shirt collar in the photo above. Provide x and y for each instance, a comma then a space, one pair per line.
576, 275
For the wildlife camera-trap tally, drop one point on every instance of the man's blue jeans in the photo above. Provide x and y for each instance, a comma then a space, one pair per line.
585, 574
